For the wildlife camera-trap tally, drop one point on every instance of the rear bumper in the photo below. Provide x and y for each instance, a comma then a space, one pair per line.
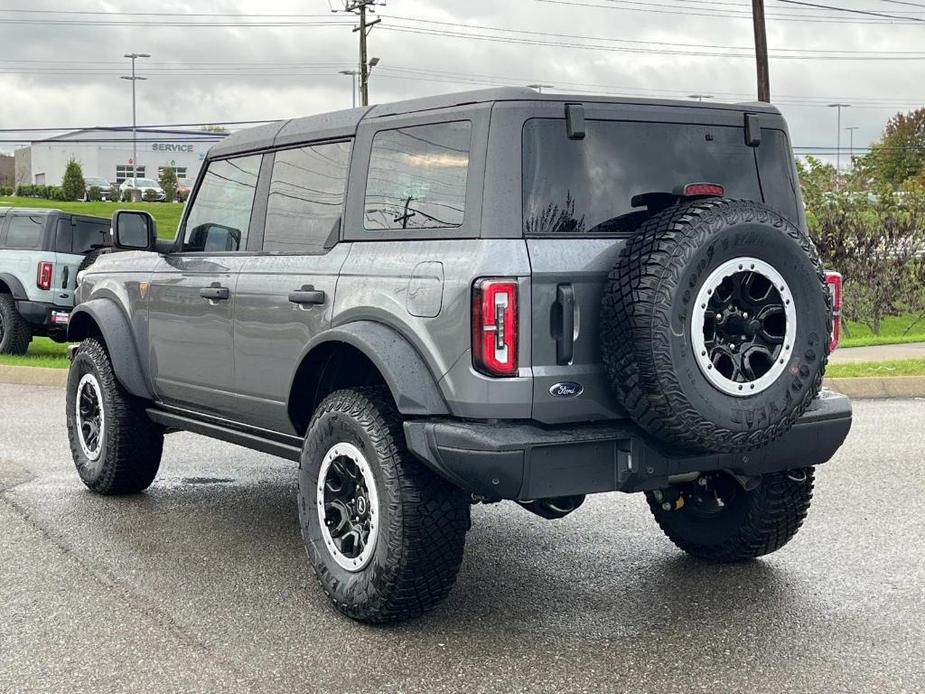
44, 316
516, 460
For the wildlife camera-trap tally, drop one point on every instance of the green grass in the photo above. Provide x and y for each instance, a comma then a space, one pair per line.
42, 352
902, 367
892, 332
167, 214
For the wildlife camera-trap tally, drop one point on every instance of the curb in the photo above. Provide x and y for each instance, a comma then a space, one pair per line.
858, 388
32, 375
868, 387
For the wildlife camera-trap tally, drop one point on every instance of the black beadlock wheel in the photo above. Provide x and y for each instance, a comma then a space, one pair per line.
15, 334
715, 519
384, 534
715, 325
115, 447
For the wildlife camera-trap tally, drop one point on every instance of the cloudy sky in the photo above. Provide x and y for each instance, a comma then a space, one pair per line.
230, 60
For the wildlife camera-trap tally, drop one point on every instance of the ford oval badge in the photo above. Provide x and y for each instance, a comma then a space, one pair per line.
568, 389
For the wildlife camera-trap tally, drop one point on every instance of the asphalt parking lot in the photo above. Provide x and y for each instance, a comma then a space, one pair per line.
201, 584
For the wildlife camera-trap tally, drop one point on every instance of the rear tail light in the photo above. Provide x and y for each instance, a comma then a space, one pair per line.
43, 276
494, 327
833, 280
693, 190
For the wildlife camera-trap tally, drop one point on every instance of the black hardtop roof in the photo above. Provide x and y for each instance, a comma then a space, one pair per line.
340, 124
48, 212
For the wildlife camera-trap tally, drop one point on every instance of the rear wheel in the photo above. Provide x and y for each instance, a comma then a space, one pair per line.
384, 534
15, 334
116, 448
716, 519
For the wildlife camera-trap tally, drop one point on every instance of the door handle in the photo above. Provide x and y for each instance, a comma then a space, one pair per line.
307, 295
215, 292
565, 331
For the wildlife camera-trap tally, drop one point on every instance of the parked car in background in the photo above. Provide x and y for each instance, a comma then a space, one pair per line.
41, 252
143, 185
184, 188
104, 185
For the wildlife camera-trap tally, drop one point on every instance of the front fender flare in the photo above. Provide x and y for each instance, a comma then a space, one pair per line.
408, 377
119, 337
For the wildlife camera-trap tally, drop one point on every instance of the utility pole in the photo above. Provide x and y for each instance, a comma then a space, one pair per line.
838, 108
134, 78
851, 130
359, 7
761, 51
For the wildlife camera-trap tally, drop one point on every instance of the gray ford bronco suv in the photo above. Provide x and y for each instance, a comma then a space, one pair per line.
486, 296
41, 252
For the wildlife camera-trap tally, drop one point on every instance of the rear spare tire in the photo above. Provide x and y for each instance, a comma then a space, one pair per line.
715, 325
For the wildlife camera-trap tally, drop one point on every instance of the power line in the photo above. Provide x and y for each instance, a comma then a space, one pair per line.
652, 8
515, 40
850, 10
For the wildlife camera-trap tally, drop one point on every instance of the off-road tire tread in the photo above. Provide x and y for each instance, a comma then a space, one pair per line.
17, 334
635, 317
435, 516
134, 444
776, 511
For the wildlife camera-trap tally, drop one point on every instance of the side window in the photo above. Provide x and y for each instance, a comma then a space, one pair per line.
417, 177
25, 233
89, 236
221, 212
306, 197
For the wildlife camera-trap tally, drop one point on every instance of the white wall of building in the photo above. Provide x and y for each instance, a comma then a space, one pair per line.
49, 158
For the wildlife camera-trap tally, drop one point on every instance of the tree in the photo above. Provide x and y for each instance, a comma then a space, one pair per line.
73, 186
168, 181
875, 240
899, 155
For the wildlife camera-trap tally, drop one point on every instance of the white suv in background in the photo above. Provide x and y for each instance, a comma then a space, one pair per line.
143, 185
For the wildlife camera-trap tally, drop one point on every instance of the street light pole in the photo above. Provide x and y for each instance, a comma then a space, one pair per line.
353, 74
134, 78
851, 130
838, 108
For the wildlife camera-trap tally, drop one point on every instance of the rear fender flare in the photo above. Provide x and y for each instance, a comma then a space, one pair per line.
405, 372
117, 333
15, 286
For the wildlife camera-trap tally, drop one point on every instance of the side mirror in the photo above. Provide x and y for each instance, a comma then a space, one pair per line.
133, 230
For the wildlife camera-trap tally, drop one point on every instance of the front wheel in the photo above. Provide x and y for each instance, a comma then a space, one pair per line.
716, 519
384, 534
116, 448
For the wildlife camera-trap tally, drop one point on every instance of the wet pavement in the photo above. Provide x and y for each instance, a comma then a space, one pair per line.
201, 584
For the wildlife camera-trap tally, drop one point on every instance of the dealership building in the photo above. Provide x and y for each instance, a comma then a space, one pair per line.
107, 153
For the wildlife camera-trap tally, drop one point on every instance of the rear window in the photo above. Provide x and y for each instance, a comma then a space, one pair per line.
25, 233
586, 186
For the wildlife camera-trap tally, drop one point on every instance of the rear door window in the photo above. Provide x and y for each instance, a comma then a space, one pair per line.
306, 197
25, 232
417, 177
586, 186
